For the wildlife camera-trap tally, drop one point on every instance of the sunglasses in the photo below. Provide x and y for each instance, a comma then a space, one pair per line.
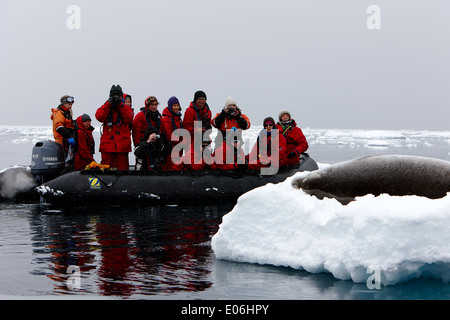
268, 125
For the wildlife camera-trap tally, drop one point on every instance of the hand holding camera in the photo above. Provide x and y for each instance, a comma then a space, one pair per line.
231, 110
153, 137
115, 101
115, 96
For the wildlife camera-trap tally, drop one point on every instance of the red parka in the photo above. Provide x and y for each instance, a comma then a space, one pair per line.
295, 142
169, 123
85, 146
194, 113
262, 158
141, 122
116, 135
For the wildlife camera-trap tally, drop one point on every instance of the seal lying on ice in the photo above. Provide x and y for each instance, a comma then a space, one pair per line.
395, 175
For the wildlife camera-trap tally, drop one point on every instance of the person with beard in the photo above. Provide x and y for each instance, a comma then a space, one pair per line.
153, 150
148, 116
296, 142
115, 141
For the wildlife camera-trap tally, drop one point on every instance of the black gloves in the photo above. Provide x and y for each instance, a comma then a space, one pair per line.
241, 121
292, 154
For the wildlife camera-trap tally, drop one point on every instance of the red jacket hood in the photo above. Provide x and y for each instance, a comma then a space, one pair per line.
127, 95
81, 126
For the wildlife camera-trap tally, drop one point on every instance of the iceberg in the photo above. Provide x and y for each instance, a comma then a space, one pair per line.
402, 237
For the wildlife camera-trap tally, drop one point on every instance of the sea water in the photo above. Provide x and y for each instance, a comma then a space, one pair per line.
165, 252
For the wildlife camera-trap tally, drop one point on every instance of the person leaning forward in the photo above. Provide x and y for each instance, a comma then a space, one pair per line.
115, 141
153, 149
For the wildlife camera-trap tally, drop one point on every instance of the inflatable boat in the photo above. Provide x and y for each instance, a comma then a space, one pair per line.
101, 187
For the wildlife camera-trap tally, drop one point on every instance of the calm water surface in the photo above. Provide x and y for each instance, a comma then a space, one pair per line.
153, 253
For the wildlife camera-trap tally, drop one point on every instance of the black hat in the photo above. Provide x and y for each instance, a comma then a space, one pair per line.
149, 131
199, 94
116, 91
85, 117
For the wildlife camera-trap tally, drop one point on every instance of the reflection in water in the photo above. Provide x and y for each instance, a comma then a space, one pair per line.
154, 252
128, 251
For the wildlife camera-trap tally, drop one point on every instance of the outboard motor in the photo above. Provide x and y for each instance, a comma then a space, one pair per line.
47, 161
307, 163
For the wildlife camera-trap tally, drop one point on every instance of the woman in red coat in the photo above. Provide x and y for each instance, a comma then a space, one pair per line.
261, 154
85, 143
115, 142
148, 116
171, 121
296, 142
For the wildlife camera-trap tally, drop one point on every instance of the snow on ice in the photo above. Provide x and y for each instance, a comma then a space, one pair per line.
401, 237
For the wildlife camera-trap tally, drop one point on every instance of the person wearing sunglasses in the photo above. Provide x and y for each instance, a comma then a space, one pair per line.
269, 148
296, 142
64, 127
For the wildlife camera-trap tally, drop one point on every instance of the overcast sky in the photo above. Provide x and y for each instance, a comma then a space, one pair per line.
319, 59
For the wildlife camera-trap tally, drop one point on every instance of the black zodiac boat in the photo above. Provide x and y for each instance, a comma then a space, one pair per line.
131, 187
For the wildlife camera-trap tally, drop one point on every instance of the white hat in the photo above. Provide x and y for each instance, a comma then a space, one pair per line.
283, 112
229, 101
